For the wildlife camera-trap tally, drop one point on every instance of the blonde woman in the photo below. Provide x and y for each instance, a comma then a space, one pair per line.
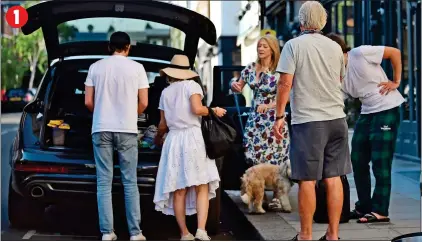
259, 141
186, 178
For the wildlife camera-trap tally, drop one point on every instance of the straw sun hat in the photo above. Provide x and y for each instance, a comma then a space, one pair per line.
179, 68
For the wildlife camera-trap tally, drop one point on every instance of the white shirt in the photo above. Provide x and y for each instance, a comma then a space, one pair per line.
363, 74
317, 64
116, 80
175, 102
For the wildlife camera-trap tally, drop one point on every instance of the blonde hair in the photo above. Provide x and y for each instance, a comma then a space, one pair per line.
275, 49
312, 15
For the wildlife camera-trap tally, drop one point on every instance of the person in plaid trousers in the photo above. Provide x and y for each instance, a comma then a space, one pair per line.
376, 129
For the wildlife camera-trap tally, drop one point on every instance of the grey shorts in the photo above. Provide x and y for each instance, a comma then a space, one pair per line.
320, 150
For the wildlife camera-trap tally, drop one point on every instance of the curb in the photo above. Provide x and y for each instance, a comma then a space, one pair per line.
246, 229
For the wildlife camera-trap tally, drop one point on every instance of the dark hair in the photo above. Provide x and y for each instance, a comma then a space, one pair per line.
119, 41
339, 40
172, 79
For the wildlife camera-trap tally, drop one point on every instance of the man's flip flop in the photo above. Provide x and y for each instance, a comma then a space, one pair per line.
371, 218
356, 215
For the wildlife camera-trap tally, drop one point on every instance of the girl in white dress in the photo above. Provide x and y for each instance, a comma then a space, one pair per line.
186, 178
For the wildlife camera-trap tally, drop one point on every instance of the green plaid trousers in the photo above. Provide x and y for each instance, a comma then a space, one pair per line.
374, 139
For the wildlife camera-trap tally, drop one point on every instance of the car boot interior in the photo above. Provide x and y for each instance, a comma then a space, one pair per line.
67, 103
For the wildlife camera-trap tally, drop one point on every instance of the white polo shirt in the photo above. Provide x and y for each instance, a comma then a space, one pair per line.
116, 80
363, 74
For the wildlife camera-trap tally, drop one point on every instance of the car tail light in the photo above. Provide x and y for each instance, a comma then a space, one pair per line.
28, 97
41, 169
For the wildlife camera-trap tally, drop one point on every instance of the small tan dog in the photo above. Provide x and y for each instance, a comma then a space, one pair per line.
267, 176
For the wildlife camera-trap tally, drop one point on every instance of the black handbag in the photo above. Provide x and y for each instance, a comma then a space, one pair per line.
218, 136
321, 212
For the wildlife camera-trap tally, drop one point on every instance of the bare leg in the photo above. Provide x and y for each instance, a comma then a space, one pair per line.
179, 203
334, 205
276, 194
275, 204
202, 204
307, 205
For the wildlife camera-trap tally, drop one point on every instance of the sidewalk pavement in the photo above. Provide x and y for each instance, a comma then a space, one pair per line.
405, 211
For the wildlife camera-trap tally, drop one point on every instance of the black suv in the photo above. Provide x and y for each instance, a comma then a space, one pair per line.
44, 173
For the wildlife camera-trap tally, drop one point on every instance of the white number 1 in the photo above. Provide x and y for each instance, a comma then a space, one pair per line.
16, 13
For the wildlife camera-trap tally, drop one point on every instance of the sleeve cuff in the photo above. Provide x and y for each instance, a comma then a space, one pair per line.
285, 71
143, 86
193, 93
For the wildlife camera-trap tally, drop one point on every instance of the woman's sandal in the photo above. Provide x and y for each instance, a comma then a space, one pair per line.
356, 215
296, 237
371, 218
275, 205
324, 238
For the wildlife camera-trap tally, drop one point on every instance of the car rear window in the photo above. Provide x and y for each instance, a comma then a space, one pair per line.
140, 31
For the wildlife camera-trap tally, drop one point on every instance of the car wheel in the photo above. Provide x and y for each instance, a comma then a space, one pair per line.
23, 212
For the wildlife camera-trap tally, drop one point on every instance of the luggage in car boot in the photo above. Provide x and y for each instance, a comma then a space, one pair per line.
321, 212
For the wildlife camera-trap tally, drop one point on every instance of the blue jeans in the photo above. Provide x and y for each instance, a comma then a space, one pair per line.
126, 144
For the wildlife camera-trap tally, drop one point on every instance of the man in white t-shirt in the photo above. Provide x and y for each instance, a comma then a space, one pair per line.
375, 133
116, 90
311, 65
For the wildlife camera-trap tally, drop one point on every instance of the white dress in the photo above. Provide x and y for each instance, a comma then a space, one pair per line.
183, 162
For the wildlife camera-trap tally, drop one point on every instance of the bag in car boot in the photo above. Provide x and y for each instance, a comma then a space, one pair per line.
321, 212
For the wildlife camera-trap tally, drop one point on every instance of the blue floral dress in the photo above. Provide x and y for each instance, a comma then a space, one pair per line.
259, 141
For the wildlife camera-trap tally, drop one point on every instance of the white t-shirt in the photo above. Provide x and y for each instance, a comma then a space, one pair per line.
116, 80
175, 102
317, 64
363, 74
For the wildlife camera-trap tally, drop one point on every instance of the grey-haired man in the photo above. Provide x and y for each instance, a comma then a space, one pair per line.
312, 66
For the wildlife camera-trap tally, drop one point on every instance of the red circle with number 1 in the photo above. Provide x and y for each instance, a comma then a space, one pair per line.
16, 16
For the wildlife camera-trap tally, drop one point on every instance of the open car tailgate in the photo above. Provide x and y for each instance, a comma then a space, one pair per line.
48, 15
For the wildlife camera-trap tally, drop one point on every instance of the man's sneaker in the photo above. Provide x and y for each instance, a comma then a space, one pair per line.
138, 237
111, 236
188, 237
202, 235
